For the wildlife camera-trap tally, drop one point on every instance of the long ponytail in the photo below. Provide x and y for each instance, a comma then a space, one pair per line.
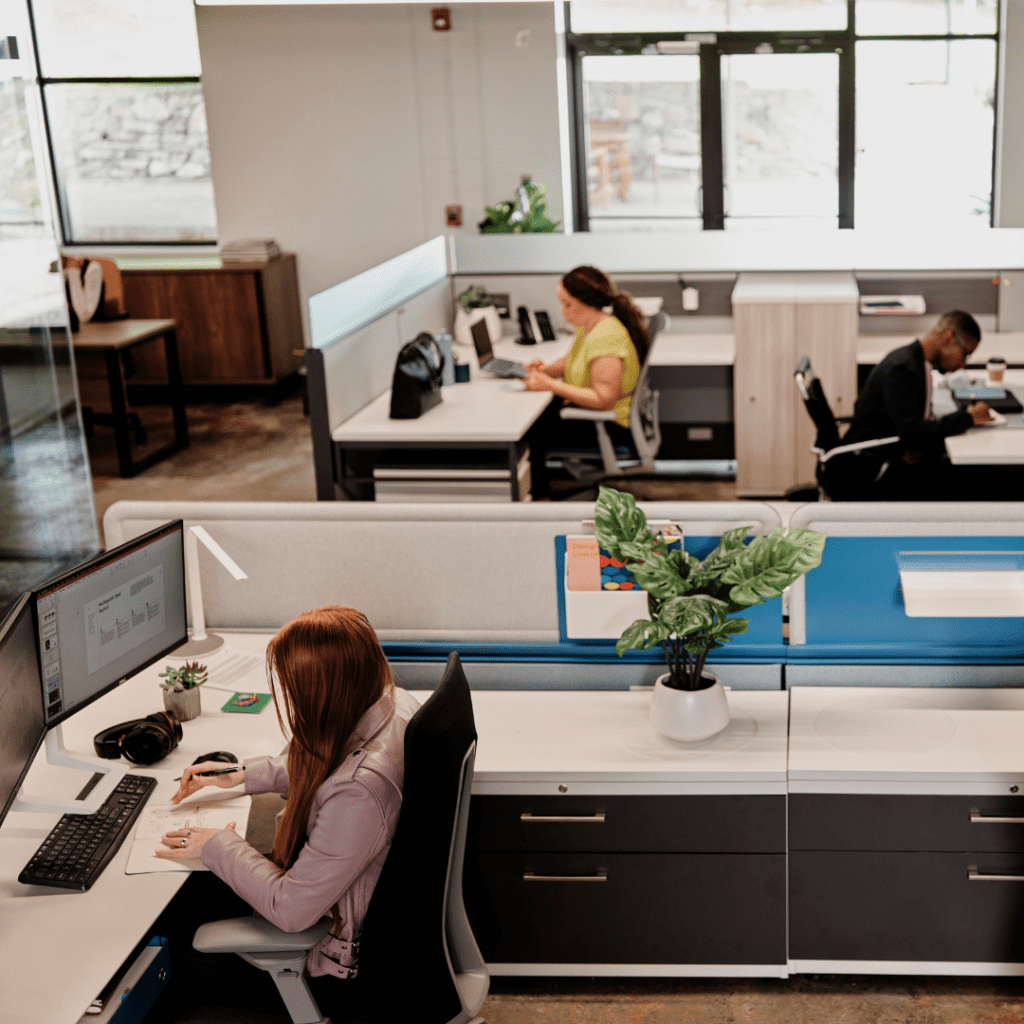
595, 288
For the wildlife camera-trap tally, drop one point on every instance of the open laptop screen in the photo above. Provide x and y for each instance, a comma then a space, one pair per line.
482, 341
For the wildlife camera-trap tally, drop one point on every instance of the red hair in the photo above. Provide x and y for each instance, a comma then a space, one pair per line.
329, 668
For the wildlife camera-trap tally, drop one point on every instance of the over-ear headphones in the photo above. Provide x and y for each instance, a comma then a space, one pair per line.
142, 740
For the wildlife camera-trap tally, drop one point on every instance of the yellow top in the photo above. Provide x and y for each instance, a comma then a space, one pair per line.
608, 338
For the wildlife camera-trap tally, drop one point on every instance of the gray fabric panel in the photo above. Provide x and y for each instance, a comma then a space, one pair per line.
417, 675
904, 675
909, 519
414, 571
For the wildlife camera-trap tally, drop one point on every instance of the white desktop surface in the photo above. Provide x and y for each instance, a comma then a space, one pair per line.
873, 348
680, 349
485, 409
601, 741
896, 740
59, 947
1001, 444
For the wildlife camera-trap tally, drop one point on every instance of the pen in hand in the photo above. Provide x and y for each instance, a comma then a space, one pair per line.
215, 771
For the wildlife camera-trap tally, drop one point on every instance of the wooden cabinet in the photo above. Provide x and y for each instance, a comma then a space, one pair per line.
779, 318
239, 324
637, 879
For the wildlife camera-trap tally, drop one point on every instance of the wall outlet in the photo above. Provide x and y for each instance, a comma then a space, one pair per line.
501, 304
441, 19
453, 216
691, 299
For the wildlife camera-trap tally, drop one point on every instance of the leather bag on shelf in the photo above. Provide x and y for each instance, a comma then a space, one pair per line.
417, 383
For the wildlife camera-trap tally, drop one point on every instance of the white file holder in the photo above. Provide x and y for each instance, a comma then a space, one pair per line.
962, 584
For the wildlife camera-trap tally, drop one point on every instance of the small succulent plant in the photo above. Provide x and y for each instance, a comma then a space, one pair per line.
188, 677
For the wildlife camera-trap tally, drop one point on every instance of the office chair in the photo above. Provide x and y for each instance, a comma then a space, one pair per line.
418, 959
827, 443
644, 426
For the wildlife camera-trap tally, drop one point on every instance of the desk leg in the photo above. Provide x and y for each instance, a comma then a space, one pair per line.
177, 388
119, 413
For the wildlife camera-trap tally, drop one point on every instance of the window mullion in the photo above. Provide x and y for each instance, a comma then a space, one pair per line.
712, 169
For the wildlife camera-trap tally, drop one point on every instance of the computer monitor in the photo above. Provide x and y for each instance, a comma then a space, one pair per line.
98, 625
105, 620
21, 704
482, 341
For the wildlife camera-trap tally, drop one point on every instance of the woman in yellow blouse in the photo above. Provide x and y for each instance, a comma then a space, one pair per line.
600, 371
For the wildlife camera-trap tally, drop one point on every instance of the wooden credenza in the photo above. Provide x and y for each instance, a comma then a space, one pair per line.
239, 324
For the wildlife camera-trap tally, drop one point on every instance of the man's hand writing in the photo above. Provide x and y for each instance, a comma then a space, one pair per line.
980, 413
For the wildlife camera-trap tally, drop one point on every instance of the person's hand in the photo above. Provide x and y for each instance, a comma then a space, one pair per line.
185, 843
539, 381
980, 413
538, 364
192, 782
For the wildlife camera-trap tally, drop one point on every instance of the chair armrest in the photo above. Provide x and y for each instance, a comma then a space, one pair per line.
857, 446
574, 412
256, 935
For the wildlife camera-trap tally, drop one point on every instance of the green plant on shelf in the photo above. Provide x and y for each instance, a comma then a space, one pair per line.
188, 677
691, 601
474, 297
526, 213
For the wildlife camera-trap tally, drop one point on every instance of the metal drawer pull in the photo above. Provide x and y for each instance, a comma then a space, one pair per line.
529, 876
982, 819
976, 876
587, 818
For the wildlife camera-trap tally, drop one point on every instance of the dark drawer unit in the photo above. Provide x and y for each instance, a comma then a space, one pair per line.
590, 908
628, 879
828, 821
625, 824
906, 906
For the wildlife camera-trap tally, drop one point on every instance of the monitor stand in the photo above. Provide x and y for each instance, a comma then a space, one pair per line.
92, 796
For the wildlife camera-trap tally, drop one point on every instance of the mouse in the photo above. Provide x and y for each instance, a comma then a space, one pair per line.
217, 755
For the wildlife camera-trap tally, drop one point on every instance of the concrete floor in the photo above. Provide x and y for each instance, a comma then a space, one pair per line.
248, 451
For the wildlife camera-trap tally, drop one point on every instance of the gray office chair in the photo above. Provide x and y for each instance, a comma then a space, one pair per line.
418, 958
644, 426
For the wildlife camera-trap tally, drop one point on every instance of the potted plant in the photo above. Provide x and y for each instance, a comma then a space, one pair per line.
526, 213
691, 604
181, 689
472, 305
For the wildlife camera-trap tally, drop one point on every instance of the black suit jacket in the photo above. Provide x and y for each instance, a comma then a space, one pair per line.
892, 404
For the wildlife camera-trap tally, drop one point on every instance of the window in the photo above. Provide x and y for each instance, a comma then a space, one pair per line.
126, 120
716, 114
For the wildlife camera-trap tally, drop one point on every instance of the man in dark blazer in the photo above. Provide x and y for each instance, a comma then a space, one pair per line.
897, 401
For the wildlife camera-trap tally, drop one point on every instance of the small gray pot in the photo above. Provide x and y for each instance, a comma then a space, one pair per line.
184, 704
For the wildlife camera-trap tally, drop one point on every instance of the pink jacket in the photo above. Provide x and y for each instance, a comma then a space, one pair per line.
351, 825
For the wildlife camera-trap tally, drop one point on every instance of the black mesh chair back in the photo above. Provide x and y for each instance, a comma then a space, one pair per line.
412, 942
817, 406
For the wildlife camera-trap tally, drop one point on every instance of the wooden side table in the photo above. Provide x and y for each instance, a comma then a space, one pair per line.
111, 339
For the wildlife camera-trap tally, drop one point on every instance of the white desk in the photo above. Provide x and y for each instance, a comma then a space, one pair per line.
59, 948
1001, 445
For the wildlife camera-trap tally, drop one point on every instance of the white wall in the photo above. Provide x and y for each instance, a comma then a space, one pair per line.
344, 131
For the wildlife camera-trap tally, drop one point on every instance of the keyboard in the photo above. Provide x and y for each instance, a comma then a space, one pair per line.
506, 368
80, 846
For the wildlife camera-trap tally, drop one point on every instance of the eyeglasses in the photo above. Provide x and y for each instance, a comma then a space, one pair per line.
964, 347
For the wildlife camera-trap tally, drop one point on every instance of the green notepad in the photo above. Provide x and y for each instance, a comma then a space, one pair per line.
252, 703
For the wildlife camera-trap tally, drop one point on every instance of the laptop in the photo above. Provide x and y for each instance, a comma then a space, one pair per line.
996, 398
485, 354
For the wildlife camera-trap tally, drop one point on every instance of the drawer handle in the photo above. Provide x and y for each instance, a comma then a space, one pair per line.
973, 875
588, 818
601, 876
982, 819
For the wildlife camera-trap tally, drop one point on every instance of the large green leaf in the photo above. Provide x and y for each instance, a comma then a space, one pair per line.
729, 547
661, 575
692, 613
766, 566
642, 635
618, 521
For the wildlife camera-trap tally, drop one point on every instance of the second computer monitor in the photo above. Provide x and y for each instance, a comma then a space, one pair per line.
109, 618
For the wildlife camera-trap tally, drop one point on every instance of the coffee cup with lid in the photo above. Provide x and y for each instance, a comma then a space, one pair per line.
996, 367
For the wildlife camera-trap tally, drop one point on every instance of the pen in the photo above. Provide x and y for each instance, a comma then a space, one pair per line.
215, 771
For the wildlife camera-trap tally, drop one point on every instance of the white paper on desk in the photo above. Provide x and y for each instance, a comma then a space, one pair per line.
232, 670
208, 809
998, 420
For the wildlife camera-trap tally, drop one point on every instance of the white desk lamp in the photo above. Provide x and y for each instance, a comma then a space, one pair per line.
202, 643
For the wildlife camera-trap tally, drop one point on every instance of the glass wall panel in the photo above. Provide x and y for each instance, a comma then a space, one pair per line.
925, 132
780, 117
133, 162
642, 125
116, 38
927, 17
706, 15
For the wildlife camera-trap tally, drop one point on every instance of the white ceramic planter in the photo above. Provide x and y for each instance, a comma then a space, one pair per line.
463, 335
689, 714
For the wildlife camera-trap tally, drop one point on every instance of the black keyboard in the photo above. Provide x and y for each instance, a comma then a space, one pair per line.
506, 368
80, 846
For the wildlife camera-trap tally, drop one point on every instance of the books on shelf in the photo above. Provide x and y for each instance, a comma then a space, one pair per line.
250, 250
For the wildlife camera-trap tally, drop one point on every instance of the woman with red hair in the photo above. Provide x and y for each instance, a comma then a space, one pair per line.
343, 774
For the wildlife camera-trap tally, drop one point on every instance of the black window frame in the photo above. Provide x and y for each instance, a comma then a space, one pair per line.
842, 42
59, 198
